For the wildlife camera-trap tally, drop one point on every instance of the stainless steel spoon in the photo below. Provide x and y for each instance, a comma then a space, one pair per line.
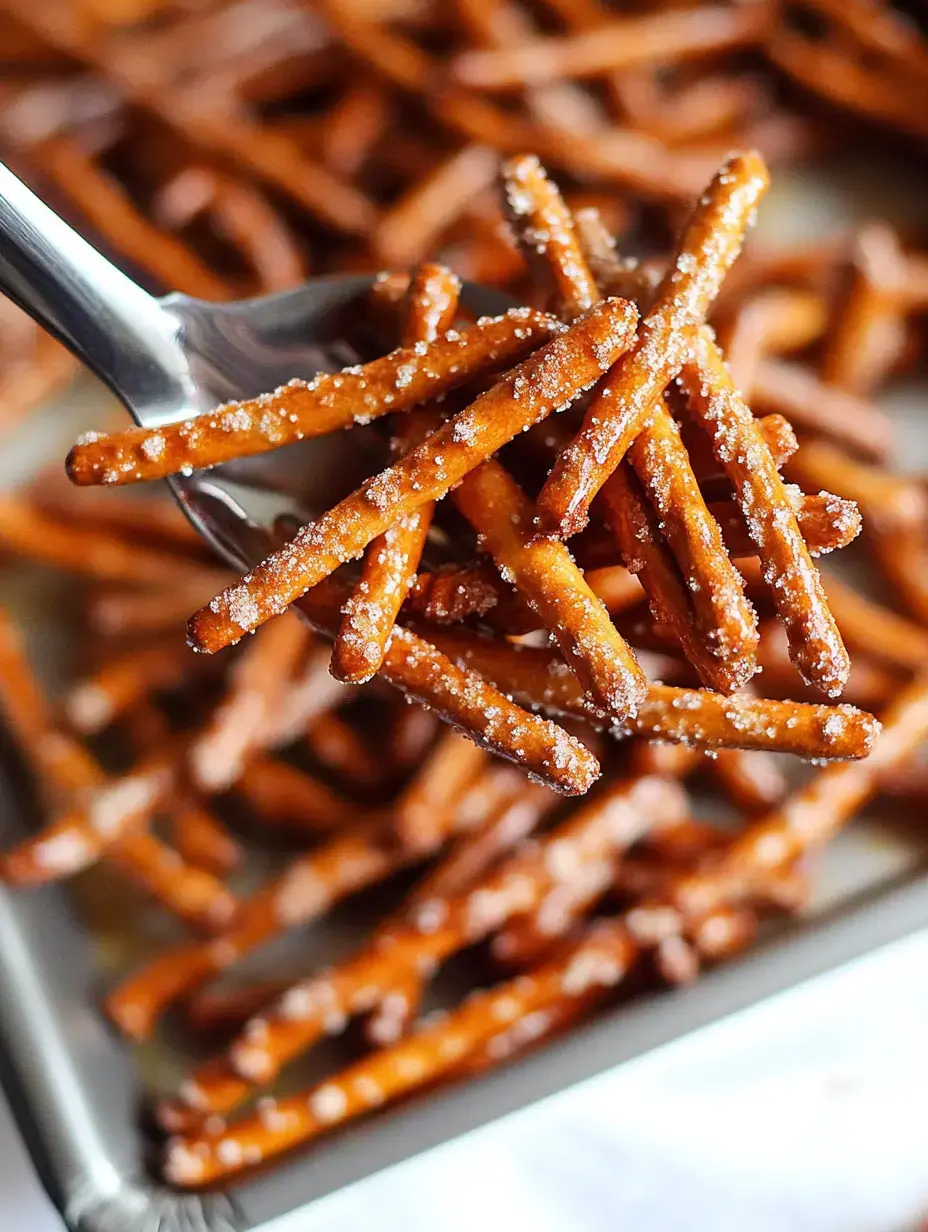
171, 358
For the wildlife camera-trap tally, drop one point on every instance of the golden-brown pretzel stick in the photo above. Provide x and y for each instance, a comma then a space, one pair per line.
303, 409
96, 701
634, 526
622, 404
545, 575
622, 43
282, 796
723, 617
28, 532
414, 729
84, 832
815, 643
257, 684
224, 1010
354, 125
544, 229
776, 431
808, 818
625, 810
406, 233
694, 716
601, 958
550, 378
391, 560
188, 891
468, 702
812, 406
826, 523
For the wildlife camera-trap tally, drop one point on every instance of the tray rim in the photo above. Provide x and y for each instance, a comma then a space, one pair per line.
86, 1153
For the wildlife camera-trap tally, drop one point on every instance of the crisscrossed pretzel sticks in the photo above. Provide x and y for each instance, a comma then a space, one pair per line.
622, 404
548, 379
724, 619
391, 560
301, 409
607, 823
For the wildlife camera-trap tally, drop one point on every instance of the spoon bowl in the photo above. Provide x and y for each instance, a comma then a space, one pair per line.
175, 357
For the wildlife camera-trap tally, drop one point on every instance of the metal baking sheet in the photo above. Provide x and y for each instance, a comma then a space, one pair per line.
76, 1089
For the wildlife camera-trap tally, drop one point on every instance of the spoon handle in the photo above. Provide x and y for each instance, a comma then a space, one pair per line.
120, 331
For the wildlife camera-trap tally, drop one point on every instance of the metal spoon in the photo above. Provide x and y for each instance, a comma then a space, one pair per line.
171, 358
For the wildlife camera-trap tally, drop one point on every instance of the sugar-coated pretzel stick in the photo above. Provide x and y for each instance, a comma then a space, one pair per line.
468, 702
601, 958
776, 431
544, 229
392, 559
634, 525
284, 797
550, 378
266, 1044
545, 575
257, 685
302, 409
84, 832
826, 523
27, 531
122, 682
815, 643
689, 716
807, 819
625, 400
617, 44
723, 617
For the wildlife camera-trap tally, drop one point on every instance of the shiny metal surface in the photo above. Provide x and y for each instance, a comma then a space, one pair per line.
171, 358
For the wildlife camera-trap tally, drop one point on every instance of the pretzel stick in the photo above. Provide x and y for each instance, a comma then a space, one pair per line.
776, 431
550, 378
869, 685
546, 577
96, 701
694, 716
471, 704
266, 1044
815, 643
751, 779
826, 523
391, 560
634, 526
618, 44
304, 409
202, 839
355, 125
774, 322
600, 958
807, 819
282, 796
224, 1010
431, 797
337, 746
625, 400
545, 231
27, 532
256, 688
85, 832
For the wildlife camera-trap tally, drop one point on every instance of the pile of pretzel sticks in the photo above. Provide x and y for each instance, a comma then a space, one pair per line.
667, 490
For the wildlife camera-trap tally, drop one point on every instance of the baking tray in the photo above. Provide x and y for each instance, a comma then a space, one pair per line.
75, 1088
